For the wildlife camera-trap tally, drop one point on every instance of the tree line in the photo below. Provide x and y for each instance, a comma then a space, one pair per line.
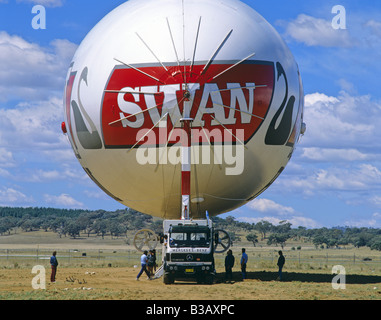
321, 237
74, 222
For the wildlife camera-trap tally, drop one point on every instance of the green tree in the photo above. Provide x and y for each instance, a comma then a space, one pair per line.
278, 239
263, 227
375, 243
73, 229
100, 227
252, 237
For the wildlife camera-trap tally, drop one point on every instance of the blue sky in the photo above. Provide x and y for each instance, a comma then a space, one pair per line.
334, 177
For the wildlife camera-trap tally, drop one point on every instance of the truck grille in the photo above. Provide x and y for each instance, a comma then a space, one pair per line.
189, 257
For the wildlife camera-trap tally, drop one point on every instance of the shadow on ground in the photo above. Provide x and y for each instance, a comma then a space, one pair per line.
301, 277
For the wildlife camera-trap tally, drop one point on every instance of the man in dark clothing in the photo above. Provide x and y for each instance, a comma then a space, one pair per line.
54, 264
281, 261
229, 263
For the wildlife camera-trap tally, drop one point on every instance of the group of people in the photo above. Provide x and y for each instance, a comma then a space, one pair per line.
229, 263
148, 264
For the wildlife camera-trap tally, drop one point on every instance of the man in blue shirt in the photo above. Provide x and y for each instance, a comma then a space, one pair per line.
143, 262
244, 259
54, 264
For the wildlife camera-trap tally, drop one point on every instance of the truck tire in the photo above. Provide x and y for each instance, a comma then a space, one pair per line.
168, 279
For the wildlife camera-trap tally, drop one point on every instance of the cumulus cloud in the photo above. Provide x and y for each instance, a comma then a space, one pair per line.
31, 125
10, 197
316, 32
266, 205
342, 122
334, 155
63, 200
29, 71
340, 151
362, 177
338, 156
275, 213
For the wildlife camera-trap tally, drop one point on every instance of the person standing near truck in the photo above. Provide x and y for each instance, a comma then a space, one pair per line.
54, 264
143, 262
151, 262
229, 263
280, 264
244, 260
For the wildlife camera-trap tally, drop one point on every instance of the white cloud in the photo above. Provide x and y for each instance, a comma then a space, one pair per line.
10, 196
96, 194
5, 173
347, 86
376, 200
333, 155
361, 177
375, 26
276, 213
6, 158
295, 221
48, 3
317, 32
266, 205
342, 122
344, 136
32, 125
29, 71
317, 97
63, 200
44, 175
374, 221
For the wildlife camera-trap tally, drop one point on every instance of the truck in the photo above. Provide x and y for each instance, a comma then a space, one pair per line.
188, 250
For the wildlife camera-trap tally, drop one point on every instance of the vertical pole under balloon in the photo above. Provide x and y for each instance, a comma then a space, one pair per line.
186, 162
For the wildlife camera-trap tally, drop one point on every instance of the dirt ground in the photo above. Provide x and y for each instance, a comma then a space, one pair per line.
117, 283
89, 281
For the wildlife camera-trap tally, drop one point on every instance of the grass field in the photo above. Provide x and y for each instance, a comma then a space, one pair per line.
105, 269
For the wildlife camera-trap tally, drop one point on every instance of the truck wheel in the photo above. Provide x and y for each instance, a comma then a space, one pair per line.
199, 280
167, 279
209, 279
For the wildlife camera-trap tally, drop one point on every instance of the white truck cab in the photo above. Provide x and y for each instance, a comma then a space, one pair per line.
188, 250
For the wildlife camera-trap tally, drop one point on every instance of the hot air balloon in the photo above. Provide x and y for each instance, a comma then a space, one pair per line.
178, 108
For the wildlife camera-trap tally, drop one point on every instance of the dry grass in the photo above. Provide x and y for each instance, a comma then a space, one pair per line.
119, 284
307, 275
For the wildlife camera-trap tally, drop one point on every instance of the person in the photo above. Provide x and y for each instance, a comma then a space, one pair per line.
151, 261
143, 262
154, 257
244, 260
229, 263
54, 264
280, 264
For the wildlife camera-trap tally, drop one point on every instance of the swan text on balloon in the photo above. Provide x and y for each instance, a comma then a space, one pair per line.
143, 97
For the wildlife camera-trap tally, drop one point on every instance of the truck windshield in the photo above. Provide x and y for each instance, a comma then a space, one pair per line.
189, 238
